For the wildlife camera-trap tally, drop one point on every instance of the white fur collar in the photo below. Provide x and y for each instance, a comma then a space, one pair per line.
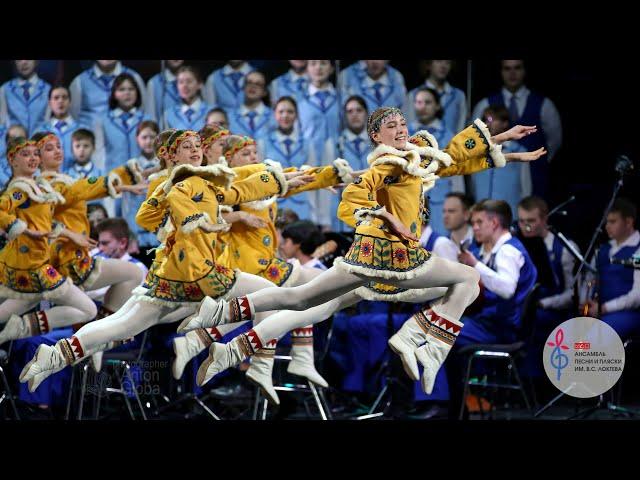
57, 177
409, 160
161, 173
38, 190
182, 172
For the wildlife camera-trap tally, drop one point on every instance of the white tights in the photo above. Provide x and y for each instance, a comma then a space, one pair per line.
122, 277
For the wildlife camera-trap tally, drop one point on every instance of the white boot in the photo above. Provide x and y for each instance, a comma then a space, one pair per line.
442, 335
46, 361
209, 312
302, 363
223, 356
411, 335
186, 348
17, 327
261, 373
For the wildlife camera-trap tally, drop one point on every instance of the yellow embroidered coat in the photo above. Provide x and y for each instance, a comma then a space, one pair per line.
396, 182
253, 250
67, 257
25, 271
189, 270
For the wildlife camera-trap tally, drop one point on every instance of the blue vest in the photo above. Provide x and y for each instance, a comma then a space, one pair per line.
532, 116
319, 122
95, 95
229, 94
437, 195
299, 155
170, 98
450, 104
176, 119
356, 155
5, 170
240, 125
120, 141
614, 280
130, 205
431, 241
555, 259
285, 85
28, 113
65, 138
391, 94
501, 183
503, 315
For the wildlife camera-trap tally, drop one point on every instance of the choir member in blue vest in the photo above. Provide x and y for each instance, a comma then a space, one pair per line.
191, 112
354, 73
61, 122
507, 274
225, 86
618, 303
439, 244
91, 90
146, 134
253, 118
452, 99
290, 84
14, 131
428, 114
318, 107
353, 145
511, 183
24, 99
456, 216
218, 116
555, 304
285, 144
83, 146
528, 108
380, 86
162, 90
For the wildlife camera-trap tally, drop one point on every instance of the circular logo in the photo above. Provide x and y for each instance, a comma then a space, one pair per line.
583, 357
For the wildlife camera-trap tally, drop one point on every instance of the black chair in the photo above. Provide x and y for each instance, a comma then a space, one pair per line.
116, 367
6, 391
503, 353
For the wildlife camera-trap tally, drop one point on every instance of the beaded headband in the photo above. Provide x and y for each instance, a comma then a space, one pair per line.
45, 139
245, 142
19, 146
377, 118
174, 141
215, 136
161, 148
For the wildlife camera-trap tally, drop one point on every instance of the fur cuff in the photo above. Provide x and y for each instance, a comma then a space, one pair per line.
113, 180
364, 216
134, 170
224, 209
497, 158
209, 172
16, 228
58, 227
279, 176
344, 170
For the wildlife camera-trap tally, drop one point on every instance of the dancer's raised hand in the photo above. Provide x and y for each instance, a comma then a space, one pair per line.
525, 156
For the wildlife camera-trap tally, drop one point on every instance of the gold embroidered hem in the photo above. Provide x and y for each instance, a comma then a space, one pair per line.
38, 283
83, 270
278, 271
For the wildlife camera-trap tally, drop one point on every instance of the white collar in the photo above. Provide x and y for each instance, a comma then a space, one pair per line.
501, 241
144, 162
168, 75
259, 109
436, 124
632, 241
244, 68
294, 135
313, 89
350, 136
116, 71
33, 79
296, 76
548, 239
86, 168
68, 119
446, 87
195, 106
117, 112
383, 80
522, 92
